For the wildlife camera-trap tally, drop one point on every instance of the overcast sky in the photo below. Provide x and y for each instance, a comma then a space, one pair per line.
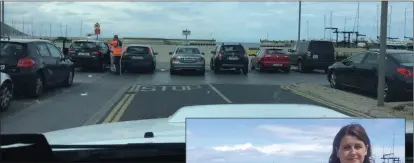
282, 140
224, 21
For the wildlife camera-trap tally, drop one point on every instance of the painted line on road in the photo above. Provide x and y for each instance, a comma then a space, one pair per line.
120, 108
123, 108
324, 102
116, 108
220, 94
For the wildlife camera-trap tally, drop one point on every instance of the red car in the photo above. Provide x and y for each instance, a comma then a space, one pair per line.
270, 58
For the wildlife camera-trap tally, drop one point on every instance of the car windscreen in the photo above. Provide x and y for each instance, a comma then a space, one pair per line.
187, 51
404, 57
322, 47
137, 50
84, 45
11, 49
274, 51
233, 48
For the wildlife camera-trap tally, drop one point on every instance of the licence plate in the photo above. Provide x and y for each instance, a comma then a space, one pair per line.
233, 58
85, 54
315, 56
135, 57
277, 65
2, 67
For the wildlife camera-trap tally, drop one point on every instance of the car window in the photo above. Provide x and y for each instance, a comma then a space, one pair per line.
54, 51
187, 51
233, 48
357, 58
137, 50
372, 58
83, 45
42, 50
322, 47
274, 51
404, 57
11, 49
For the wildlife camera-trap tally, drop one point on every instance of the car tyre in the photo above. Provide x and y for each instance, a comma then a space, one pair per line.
216, 69
245, 70
333, 81
102, 66
261, 67
301, 67
6, 96
152, 68
69, 79
286, 70
389, 92
37, 88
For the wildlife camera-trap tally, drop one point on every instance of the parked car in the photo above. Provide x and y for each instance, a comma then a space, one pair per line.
187, 58
229, 56
6, 90
34, 65
270, 58
138, 56
361, 71
313, 54
90, 54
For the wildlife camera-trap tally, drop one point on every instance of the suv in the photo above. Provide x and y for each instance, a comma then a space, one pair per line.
313, 54
34, 65
90, 54
229, 56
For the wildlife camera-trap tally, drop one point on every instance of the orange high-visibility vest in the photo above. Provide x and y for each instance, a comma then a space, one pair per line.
116, 50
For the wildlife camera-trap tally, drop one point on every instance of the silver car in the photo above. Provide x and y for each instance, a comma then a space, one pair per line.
187, 58
6, 91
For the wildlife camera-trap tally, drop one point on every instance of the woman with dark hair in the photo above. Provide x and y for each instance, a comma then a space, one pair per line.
351, 145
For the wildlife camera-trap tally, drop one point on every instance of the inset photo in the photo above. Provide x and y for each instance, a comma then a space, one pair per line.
295, 140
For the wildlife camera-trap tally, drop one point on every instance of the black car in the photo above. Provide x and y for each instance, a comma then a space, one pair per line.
361, 71
90, 54
137, 57
228, 56
313, 54
34, 65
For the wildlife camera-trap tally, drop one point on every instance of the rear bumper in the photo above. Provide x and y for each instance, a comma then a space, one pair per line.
318, 64
23, 81
135, 64
276, 64
232, 64
405, 87
188, 66
86, 62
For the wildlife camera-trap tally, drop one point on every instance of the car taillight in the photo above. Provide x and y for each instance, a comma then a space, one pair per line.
97, 52
405, 72
26, 63
219, 54
149, 51
174, 58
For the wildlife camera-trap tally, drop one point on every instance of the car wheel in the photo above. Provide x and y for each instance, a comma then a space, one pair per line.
333, 81
301, 67
37, 88
389, 92
211, 65
152, 68
261, 67
245, 71
102, 66
286, 70
216, 69
6, 95
69, 79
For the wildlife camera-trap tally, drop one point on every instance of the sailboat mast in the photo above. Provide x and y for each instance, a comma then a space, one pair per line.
405, 22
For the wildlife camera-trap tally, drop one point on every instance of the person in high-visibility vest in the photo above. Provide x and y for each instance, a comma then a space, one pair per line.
116, 46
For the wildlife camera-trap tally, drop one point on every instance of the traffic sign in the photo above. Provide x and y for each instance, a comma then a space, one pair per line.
97, 25
97, 31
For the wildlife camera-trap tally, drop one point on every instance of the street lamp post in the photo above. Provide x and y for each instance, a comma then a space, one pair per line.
383, 47
299, 23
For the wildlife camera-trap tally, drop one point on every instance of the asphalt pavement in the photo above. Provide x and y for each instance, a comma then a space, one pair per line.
104, 97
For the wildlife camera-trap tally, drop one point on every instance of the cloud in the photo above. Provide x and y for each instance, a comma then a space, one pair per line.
225, 21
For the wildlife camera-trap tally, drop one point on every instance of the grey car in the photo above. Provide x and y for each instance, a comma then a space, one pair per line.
187, 58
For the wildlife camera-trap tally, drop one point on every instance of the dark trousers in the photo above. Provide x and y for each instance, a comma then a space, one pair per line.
117, 63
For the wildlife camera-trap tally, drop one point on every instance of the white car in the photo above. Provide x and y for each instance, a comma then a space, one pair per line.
6, 91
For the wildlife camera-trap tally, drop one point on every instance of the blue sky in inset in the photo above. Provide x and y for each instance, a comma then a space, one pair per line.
292, 140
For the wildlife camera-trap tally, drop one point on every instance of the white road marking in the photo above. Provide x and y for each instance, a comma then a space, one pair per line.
220, 94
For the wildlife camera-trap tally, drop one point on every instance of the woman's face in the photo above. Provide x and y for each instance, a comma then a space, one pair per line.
352, 150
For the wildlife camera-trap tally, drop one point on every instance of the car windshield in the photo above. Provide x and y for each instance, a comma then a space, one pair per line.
84, 45
11, 49
188, 51
117, 63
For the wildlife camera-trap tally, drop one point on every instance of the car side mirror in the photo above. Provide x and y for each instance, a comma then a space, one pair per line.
155, 53
202, 54
171, 53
